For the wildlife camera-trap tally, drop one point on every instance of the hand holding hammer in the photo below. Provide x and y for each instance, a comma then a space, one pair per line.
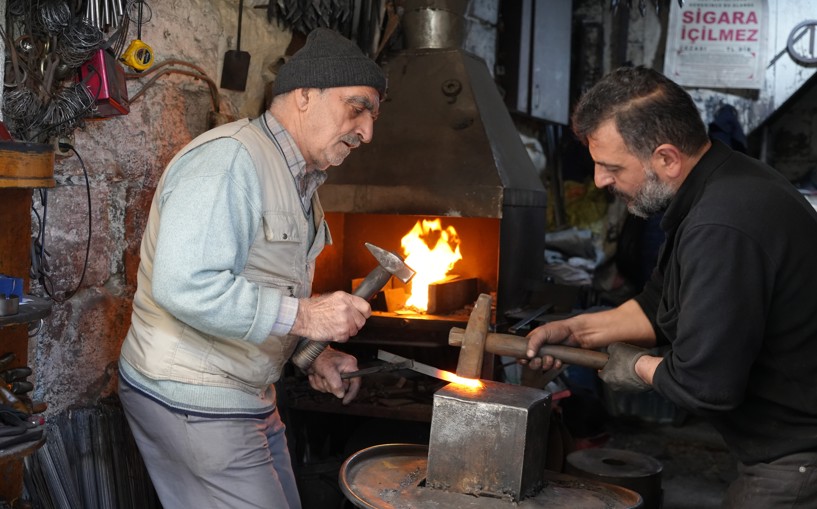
475, 339
517, 346
389, 264
617, 369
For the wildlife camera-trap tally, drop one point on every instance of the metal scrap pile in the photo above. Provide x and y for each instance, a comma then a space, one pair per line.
305, 15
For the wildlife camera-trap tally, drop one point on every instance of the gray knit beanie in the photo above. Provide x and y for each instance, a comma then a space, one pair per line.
329, 60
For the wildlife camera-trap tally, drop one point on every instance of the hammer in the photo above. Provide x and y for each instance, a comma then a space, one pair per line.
389, 264
475, 339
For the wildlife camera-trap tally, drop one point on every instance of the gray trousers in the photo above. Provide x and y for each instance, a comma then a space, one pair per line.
787, 483
212, 463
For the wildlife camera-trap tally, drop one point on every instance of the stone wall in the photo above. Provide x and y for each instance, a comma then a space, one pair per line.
74, 355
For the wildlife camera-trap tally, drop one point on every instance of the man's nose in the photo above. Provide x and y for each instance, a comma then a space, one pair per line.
602, 178
365, 129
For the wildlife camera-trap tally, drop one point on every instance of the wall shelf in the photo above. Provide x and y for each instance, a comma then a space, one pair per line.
31, 309
26, 165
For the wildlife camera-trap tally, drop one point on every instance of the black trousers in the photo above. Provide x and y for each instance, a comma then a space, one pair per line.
786, 483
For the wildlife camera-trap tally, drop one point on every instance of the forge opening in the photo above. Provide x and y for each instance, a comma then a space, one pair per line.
347, 261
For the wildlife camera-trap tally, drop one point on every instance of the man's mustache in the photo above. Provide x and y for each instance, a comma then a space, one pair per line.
351, 139
619, 194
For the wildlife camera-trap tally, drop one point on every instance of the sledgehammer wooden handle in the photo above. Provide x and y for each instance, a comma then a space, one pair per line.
517, 346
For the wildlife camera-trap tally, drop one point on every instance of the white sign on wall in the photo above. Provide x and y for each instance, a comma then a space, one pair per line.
717, 43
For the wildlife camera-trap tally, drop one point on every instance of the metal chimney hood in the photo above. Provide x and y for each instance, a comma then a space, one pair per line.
445, 143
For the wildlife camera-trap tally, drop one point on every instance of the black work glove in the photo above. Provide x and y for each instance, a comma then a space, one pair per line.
619, 372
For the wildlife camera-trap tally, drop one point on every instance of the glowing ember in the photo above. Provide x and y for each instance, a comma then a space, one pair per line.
432, 252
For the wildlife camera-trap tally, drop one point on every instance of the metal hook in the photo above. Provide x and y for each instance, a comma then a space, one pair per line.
36, 331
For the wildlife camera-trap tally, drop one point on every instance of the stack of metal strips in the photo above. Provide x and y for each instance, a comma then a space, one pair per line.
49, 478
89, 461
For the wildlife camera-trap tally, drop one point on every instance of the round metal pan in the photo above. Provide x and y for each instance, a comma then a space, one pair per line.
391, 476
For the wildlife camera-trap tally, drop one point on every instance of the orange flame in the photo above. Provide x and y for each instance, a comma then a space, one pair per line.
431, 252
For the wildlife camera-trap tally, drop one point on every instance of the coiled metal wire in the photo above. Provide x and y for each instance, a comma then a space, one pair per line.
21, 109
78, 41
54, 16
46, 44
67, 110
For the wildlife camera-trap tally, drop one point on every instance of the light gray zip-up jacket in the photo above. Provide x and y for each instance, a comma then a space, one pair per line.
204, 317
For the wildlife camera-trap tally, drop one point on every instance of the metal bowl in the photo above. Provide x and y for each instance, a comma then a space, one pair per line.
9, 305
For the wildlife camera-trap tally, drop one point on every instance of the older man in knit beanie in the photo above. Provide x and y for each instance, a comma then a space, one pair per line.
224, 294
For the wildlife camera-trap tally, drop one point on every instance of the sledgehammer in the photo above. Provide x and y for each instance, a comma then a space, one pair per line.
517, 346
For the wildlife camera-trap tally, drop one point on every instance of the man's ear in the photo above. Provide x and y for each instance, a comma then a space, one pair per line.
302, 97
667, 159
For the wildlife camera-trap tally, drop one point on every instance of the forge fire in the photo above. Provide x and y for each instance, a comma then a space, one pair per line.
431, 251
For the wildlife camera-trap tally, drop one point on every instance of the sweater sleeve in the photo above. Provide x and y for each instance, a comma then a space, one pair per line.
648, 300
209, 214
725, 290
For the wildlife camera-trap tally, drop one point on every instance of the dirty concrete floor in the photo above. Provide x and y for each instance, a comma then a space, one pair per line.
697, 467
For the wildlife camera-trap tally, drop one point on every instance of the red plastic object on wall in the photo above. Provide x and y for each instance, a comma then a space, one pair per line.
105, 79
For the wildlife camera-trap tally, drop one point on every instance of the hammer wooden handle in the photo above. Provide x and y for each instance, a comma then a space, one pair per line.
517, 346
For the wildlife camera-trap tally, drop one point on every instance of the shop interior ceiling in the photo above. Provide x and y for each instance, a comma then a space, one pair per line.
51, 42
69, 59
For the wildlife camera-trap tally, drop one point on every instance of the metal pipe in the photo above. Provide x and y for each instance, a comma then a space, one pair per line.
94, 12
106, 14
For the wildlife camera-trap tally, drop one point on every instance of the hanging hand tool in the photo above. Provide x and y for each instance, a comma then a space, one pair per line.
389, 264
236, 62
138, 55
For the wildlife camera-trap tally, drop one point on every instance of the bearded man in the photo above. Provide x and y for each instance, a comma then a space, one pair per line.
734, 293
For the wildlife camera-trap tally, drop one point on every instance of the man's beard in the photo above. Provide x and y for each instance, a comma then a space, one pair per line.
652, 197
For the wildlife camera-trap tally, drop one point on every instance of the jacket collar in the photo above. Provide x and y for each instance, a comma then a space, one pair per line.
694, 184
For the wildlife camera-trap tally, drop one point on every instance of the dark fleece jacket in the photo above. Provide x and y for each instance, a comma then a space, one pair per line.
735, 295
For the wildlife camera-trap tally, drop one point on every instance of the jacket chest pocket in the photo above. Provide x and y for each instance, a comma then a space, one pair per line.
276, 257
281, 228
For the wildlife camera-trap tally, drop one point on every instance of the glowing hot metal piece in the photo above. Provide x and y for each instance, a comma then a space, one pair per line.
428, 370
453, 378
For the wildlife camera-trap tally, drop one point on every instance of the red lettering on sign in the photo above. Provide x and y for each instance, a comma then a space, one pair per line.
720, 17
723, 34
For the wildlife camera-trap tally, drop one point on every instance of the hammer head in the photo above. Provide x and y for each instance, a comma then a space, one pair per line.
391, 262
469, 364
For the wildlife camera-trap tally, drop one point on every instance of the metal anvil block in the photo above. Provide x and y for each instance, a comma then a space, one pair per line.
488, 441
